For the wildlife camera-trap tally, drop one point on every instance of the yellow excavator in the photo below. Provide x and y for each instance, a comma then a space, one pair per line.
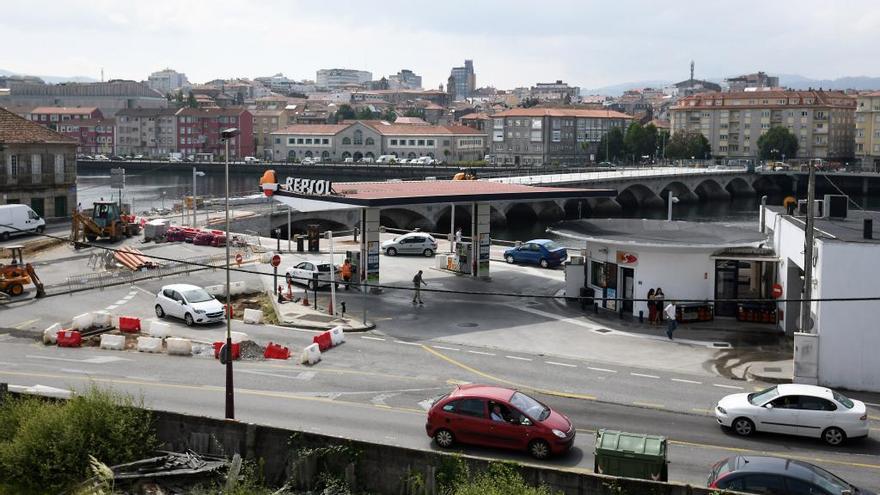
17, 274
106, 221
465, 174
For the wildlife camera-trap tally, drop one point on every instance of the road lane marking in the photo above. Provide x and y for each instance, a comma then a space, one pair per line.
789, 455
120, 302
696, 409
601, 370
111, 307
502, 380
372, 338
554, 363
19, 326
734, 387
93, 360
145, 291
648, 404
481, 353
644, 375
407, 343
518, 358
682, 380
446, 348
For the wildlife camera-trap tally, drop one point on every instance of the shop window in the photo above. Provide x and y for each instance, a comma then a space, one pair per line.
597, 273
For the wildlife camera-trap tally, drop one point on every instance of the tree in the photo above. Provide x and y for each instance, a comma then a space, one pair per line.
415, 112
776, 143
528, 102
389, 115
179, 97
364, 114
191, 100
611, 145
685, 145
345, 112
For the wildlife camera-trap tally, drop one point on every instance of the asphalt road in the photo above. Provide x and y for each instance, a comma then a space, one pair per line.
374, 386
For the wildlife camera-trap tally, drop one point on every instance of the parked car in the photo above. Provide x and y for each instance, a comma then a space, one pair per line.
303, 273
190, 303
779, 476
367, 159
174, 234
203, 239
348, 160
138, 157
804, 410
402, 161
102, 158
468, 414
307, 161
387, 159
606, 165
190, 233
411, 243
543, 252
117, 158
219, 240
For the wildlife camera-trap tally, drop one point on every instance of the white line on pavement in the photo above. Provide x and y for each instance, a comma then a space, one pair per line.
407, 343
871, 404
482, 353
644, 375
602, 370
680, 380
554, 363
145, 291
111, 307
372, 338
120, 302
446, 348
726, 386
519, 358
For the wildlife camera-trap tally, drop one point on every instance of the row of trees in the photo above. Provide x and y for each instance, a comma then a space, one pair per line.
346, 112
636, 142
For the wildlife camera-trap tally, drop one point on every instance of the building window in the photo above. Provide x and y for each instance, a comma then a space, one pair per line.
290, 141
421, 142
358, 137
278, 141
412, 142
369, 141
300, 141
445, 142
393, 142
557, 136
308, 140
430, 142
346, 141
325, 140
498, 124
537, 123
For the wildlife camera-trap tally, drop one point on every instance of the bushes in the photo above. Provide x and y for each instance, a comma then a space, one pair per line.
45, 445
499, 479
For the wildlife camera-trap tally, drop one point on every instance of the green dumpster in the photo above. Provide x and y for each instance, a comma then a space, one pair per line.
631, 455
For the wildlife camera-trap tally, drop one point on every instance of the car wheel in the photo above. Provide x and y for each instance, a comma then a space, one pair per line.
543, 263
391, 252
4, 236
188, 319
444, 438
159, 311
834, 436
16, 290
743, 426
509, 258
539, 449
41, 229
428, 253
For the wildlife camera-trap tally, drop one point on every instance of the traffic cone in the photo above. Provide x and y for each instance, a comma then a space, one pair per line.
306, 297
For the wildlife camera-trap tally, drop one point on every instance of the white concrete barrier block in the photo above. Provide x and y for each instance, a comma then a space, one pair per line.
149, 344
337, 335
82, 322
113, 342
159, 329
216, 290
101, 319
237, 337
50, 335
237, 288
253, 316
178, 347
266, 257
310, 354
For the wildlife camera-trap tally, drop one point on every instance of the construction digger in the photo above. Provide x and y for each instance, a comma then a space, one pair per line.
106, 221
465, 174
15, 275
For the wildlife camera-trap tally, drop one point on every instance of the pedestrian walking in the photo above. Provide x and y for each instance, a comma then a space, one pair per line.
457, 239
670, 315
418, 281
659, 299
346, 273
652, 309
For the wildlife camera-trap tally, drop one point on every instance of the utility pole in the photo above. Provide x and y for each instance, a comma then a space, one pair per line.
808, 252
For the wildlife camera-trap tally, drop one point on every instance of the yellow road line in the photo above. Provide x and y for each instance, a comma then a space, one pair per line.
507, 382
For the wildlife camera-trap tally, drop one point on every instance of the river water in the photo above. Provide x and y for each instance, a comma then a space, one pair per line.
163, 189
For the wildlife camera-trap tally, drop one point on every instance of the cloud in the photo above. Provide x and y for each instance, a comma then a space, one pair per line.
513, 43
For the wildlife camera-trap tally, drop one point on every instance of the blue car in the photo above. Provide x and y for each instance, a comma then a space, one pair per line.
542, 252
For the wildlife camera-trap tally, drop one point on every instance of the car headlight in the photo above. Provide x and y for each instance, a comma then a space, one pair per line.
721, 410
200, 311
558, 433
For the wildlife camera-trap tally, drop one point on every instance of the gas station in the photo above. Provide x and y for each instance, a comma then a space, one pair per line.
316, 195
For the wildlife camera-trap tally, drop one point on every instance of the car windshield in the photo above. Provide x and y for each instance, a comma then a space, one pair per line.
842, 399
529, 406
197, 296
551, 246
758, 398
830, 482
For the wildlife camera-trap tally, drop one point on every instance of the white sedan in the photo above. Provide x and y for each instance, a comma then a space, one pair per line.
190, 303
804, 410
303, 273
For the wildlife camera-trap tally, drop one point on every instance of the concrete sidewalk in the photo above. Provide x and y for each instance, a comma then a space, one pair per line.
296, 314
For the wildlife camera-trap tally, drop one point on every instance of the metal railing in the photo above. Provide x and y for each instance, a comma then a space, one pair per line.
100, 280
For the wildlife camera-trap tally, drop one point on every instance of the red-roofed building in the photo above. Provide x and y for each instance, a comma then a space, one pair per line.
559, 136
95, 136
370, 139
198, 131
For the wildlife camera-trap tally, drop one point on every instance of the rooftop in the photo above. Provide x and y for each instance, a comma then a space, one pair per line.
563, 112
661, 233
64, 110
18, 130
849, 229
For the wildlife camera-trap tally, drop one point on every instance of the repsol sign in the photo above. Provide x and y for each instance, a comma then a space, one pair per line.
315, 187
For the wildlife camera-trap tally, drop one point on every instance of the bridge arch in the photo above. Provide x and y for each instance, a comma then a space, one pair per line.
639, 195
739, 187
548, 210
577, 208
710, 189
520, 212
301, 225
402, 218
680, 191
765, 184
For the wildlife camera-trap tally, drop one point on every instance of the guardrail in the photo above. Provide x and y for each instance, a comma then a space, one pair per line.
100, 280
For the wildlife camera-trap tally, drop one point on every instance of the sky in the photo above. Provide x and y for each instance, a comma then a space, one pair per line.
513, 43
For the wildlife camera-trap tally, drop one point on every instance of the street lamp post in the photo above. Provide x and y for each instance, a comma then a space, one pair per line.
226, 135
196, 173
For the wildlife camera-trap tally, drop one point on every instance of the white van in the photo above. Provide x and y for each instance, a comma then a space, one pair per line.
387, 159
15, 219
251, 159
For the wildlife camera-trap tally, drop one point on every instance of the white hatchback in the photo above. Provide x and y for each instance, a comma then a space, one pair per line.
304, 272
190, 303
804, 410
411, 243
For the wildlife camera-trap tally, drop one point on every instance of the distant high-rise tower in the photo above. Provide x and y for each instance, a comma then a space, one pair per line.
463, 81
692, 70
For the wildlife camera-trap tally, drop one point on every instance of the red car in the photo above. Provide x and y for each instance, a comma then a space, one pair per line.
174, 234
203, 239
498, 417
219, 239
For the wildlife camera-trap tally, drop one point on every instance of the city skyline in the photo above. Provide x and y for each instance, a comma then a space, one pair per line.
130, 40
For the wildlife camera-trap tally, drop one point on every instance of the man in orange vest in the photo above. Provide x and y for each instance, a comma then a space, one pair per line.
346, 272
